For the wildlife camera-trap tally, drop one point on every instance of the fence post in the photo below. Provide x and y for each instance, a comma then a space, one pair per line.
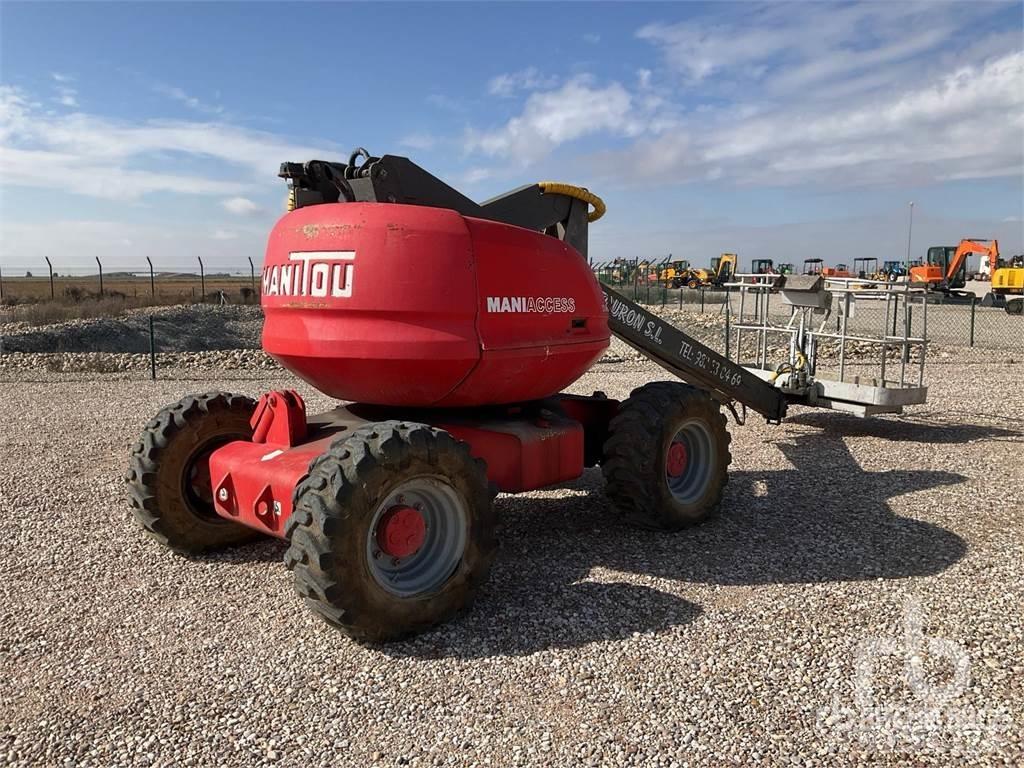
50, 267
908, 331
1, 283
98, 264
702, 301
152, 278
202, 278
974, 301
152, 350
252, 276
728, 318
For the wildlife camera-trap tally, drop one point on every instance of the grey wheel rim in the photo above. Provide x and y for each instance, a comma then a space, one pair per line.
688, 478
444, 537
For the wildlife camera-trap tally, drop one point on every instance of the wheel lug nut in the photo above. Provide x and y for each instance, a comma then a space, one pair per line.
222, 494
418, 507
395, 561
376, 554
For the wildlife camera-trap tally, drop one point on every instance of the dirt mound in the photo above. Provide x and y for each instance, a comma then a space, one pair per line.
194, 328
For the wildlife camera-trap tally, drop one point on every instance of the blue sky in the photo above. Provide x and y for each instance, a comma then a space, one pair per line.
774, 130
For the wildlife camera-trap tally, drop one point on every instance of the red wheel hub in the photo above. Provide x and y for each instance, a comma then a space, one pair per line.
677, 460
401, 531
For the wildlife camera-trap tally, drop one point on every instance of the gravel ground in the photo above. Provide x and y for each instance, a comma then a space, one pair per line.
592, 644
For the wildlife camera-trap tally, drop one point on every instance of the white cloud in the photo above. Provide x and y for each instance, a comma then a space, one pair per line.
551, 118
529, 79
241, 206
177, 94
100, 157
591, 37
922, 135
224, 234
788, 48
862, 93
67, 97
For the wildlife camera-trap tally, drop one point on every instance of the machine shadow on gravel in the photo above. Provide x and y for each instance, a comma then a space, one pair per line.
921, 428
825, 520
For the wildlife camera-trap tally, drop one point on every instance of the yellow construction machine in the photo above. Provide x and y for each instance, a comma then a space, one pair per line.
1007, 284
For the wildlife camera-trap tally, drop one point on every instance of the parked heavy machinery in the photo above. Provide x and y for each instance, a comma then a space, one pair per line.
813, 266
786, 269
762, 267
866, 268
722, 269
839, 270
679, 273
1007, 284
945, 268
451, 329
893, 270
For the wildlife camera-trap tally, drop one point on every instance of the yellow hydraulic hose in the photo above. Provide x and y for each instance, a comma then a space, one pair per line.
579, 193
787, 368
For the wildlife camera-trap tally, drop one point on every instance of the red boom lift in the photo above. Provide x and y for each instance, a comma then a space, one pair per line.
451, 329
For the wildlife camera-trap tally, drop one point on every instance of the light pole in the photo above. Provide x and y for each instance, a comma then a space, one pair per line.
910, 233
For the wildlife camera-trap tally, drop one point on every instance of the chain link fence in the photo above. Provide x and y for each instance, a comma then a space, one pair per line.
953, 323
52, 293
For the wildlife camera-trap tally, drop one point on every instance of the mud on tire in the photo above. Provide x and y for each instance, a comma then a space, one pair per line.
166, 475
654, 483
337, 516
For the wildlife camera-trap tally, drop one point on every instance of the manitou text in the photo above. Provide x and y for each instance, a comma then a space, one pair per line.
320, 274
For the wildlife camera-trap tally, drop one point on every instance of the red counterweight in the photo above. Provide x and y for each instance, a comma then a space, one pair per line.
407, 305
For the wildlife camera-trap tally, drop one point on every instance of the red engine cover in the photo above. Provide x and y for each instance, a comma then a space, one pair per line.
409, 305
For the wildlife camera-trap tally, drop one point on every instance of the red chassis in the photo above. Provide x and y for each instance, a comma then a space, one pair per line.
525, 447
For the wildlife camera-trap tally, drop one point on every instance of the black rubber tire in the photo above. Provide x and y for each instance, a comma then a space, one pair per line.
334, 507
636, 452
164, 456
693, 284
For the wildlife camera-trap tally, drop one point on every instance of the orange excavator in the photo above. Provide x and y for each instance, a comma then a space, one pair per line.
945, 269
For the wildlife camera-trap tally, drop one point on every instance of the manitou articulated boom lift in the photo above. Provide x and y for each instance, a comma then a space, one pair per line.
449, 330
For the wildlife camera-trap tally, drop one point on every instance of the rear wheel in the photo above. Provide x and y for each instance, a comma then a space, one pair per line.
169, 473
393, 531
667, 456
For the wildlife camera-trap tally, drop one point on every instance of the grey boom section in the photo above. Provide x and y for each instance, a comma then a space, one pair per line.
687, 358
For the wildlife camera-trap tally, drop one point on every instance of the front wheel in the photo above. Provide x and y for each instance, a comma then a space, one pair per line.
168, 476
393, 531
667, 456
